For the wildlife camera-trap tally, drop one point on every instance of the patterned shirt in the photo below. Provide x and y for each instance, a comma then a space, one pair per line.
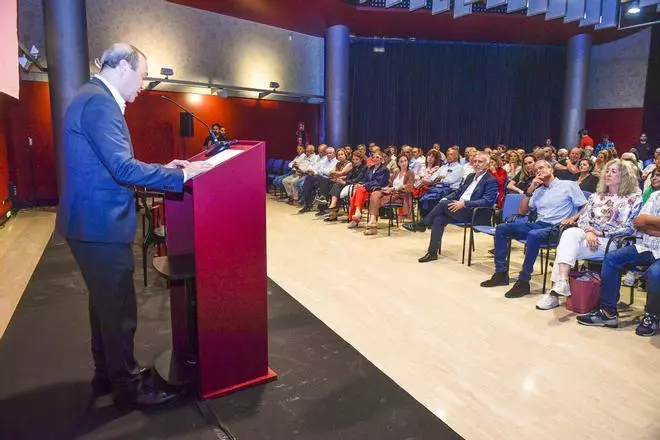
611, 214
650, 243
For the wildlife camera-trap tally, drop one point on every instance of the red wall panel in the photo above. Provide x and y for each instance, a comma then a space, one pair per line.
624, 125
154, 127
5, 206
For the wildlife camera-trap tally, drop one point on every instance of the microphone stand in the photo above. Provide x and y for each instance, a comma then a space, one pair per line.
213, 137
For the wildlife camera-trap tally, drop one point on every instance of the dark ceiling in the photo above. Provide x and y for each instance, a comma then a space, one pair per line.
314, 16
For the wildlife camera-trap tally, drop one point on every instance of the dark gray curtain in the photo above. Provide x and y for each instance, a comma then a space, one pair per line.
455, 93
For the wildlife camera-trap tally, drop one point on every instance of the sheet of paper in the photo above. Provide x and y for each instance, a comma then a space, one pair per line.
222, 156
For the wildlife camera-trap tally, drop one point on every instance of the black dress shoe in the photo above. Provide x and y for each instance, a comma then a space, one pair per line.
144, 396
428, 257
414, 227
304, 209
498, 279
101, 385
520, 289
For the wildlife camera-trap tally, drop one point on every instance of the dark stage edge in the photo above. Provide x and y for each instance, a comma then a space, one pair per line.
325, 388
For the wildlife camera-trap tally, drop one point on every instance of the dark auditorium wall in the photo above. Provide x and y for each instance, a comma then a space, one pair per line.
463, 93
617, 83
154, 125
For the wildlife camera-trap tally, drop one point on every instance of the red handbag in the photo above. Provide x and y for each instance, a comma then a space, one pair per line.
585, 291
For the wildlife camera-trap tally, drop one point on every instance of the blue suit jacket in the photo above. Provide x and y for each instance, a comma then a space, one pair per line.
484, 195
96, 201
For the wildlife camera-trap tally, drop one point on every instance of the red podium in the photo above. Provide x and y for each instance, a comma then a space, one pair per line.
216, 242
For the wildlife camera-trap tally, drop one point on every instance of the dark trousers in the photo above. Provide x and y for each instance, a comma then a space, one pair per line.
536, 234
438, 218
107, 269
616, 262
309, 189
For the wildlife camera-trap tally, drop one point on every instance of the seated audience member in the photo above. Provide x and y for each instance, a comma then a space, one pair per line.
599, 162
340, 171
300, 154
585, 179
390, 158
220, 134
645, 252
363, 149
495, 168
630, 157
567, 169
562, 154
478, 190
315, 177
604, 143
523, 179
468, 167
300, 168
653, 187
397, 191
418, 155
648, 170
423, 180
633, 156
414, 165
540, 154
435, 147
298, 186
644, 149
521, 152
585, 139
344, 184
373, 149
555, 201
375, 178
609, 211
513, 165
446, 180
588, 153
348, 150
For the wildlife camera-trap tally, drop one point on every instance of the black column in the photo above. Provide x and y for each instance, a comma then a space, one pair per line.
652, 95
65, 23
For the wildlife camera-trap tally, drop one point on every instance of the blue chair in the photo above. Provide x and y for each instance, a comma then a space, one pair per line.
483, 212
509, 211
275, 170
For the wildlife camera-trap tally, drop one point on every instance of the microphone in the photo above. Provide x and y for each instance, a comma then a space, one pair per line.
215, 139
220, 146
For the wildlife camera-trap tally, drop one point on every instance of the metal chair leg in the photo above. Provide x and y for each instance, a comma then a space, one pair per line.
471, 248
464, 237
545, 272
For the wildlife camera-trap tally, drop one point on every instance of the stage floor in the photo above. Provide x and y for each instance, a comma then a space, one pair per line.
490, 367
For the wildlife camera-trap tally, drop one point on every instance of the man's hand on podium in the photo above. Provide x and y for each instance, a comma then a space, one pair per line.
177, 163
194, 169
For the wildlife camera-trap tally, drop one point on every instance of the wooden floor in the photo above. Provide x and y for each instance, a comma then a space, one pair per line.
490, 367
22, 241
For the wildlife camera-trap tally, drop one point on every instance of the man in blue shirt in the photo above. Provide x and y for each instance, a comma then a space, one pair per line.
555, 201
604, 144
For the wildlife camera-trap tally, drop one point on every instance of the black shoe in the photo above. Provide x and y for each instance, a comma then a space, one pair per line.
520, 289
101, 385
498, 279
320, 213
649, 325
428, 257
304, 209
414, 227
144, 396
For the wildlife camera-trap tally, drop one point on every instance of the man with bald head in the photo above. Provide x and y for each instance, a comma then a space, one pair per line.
567, 169
96, 216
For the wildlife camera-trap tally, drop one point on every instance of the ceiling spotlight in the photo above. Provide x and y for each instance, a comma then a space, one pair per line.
634, 8
166, 72
274, 85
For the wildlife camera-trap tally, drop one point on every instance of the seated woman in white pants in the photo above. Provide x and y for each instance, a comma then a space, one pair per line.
609, 211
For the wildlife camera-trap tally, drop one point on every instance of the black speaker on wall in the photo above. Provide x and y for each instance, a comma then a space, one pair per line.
186, 125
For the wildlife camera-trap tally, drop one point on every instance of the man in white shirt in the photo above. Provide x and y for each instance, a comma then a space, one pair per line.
320, 171
447, 179
300, 167
300, 154
479, 190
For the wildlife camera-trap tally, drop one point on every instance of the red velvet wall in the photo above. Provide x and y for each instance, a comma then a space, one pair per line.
624, 125
154, 126
5, 205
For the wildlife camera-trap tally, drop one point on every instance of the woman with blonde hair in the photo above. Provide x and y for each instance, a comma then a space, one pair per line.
609, 211
512, 166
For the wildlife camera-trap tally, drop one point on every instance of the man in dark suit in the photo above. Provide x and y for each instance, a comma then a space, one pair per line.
478, 190
96, 216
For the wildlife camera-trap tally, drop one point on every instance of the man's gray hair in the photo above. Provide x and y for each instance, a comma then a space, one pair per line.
121, 51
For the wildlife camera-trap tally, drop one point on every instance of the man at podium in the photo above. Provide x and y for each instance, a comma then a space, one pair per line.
96, 216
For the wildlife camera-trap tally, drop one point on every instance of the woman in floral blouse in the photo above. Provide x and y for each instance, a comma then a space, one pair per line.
609, 211
426, 176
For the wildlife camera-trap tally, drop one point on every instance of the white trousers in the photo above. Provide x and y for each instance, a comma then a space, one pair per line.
288, 183
573, 246
345, 191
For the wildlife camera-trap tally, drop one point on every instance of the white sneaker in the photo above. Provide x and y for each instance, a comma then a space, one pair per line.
547, 302
561, 287
630, 278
